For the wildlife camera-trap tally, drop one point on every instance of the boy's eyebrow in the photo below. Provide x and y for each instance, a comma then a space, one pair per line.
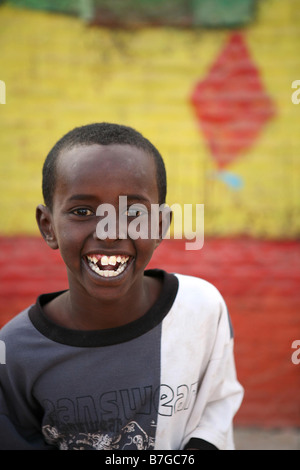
137, 197
80, 197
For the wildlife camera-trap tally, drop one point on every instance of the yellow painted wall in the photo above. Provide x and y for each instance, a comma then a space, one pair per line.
59, 73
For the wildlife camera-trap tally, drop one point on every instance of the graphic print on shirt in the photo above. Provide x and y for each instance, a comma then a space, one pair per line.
124, 419
131, 436
117, 419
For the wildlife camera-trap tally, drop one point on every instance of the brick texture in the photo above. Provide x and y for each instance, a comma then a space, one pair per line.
259, 281
60, 73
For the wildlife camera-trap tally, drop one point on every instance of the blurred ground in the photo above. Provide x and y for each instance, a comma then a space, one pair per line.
260, 439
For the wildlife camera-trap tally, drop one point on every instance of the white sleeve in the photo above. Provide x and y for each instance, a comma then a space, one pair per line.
220, 394
198, 370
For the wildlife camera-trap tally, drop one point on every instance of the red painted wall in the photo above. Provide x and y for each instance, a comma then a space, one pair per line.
259, 280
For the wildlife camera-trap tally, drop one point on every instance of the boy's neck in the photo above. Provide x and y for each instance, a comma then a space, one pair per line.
82, 312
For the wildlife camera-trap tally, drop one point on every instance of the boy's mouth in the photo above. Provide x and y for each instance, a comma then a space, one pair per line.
107, 266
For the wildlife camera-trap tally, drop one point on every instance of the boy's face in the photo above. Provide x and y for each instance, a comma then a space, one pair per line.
88, 176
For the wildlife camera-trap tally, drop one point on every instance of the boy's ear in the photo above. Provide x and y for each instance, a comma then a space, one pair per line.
44, 221
164, 223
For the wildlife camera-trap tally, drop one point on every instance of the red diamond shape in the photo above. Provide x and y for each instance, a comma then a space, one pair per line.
231, 103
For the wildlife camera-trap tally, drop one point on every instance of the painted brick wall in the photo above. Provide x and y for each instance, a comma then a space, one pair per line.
59, 74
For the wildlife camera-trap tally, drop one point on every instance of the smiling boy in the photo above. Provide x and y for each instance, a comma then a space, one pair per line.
126, 358
88, 176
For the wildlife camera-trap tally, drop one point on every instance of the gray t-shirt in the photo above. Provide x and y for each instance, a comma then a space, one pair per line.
154, 383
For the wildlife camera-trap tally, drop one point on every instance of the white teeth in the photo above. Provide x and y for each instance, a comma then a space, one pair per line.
107, 272
112, 260
108, 260
104, 260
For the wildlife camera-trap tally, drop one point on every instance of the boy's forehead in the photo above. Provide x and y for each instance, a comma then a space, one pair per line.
109, 160
102, 156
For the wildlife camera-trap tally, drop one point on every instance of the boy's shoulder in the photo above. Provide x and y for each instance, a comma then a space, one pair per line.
18, 327
199, 287
203, 302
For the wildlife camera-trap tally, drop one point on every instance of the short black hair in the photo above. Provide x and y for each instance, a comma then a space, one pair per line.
103, 133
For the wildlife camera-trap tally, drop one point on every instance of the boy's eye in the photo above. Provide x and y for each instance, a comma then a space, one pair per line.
135, 211
82, 212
